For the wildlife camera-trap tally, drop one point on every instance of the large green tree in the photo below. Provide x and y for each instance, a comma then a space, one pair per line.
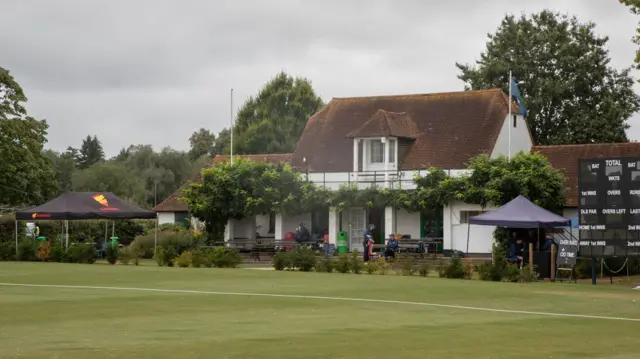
26, 176
90, 152
634, 7
64, 165
572, 94
273, 120
139, 174
202, 142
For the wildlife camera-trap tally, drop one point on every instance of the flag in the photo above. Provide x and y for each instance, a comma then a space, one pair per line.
516, 93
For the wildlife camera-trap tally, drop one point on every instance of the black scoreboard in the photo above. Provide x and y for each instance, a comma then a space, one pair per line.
609, 206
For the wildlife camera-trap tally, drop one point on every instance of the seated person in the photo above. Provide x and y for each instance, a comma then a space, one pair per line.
515, 251
391, 248
548, 242
302, 234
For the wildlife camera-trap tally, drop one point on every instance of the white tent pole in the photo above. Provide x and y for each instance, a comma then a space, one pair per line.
113, 228
468, 230
155, 239
16, 237
66, 222
106, 230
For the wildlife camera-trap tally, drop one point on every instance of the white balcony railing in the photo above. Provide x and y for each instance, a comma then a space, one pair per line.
365, 179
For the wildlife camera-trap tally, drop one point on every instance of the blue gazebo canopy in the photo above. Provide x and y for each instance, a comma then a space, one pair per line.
520, 213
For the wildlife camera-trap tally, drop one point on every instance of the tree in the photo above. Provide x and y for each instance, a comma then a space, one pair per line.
272, 121
202, 142
222, 143
90, 152
634, 7
64, 165
26, 176
572, 94
111, 177
245, 189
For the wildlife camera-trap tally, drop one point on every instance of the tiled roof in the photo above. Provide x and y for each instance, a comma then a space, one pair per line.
384, 123
450, 128
173, 203
565, 158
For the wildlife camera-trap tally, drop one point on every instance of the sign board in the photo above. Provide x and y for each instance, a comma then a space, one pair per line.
567, 251
609, 206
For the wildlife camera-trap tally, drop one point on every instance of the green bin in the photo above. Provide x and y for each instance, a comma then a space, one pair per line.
114, 242
41, 238
343, 242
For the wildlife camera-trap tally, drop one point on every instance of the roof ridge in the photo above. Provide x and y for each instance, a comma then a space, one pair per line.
588, 144
416, 94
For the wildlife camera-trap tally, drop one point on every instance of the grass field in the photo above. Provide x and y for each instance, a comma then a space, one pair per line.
56, 322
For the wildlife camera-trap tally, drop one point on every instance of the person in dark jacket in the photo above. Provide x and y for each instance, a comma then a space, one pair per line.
367, 242
391, 248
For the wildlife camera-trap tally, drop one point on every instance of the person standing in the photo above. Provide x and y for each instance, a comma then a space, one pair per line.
368, 242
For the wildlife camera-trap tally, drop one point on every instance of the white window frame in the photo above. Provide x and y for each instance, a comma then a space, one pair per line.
375, 152
391, 147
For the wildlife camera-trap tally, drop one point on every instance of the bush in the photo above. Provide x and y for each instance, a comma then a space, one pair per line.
304, 258
179, 240
424, 269
81, 253
325, 264
198, 259
7, 251
526, 275
281, 261
455, 269
511, 272
159, 256
8, 229
490, 272
58, 254
407, 267
356, 262
127, 255
344, 264
112, 254
224, 257
27, 250
382, 266
184, 259
169, 255
371, 267
44, 251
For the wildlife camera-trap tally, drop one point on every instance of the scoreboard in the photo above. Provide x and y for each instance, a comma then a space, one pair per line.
609, 206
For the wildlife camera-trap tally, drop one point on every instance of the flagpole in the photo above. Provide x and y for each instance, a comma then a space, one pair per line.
231, 151
509, 119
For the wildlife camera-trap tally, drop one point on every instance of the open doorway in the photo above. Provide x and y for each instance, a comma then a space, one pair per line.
375, 216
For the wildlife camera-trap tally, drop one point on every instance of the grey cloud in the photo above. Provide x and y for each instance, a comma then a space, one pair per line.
153, 71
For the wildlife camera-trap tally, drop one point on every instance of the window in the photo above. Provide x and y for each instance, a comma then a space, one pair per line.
377, 151
465, 215
392, 151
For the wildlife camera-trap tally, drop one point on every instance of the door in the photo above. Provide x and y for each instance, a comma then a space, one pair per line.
357, 225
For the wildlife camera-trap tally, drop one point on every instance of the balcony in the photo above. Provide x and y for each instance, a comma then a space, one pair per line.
365, 179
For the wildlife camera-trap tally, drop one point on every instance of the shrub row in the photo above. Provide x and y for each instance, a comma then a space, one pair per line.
219, 257
47, 252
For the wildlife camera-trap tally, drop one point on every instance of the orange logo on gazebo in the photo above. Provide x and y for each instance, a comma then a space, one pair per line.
100, 199
103, 201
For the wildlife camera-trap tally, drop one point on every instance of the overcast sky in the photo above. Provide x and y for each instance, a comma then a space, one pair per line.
152, 72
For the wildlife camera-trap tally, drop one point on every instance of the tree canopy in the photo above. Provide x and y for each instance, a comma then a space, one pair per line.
634, 7
26, 175
202, 142
572, 93
273, 120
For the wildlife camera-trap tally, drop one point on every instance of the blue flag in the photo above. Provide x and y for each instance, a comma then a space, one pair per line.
516, 93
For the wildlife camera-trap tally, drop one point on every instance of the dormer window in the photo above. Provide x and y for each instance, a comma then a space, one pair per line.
377, 151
